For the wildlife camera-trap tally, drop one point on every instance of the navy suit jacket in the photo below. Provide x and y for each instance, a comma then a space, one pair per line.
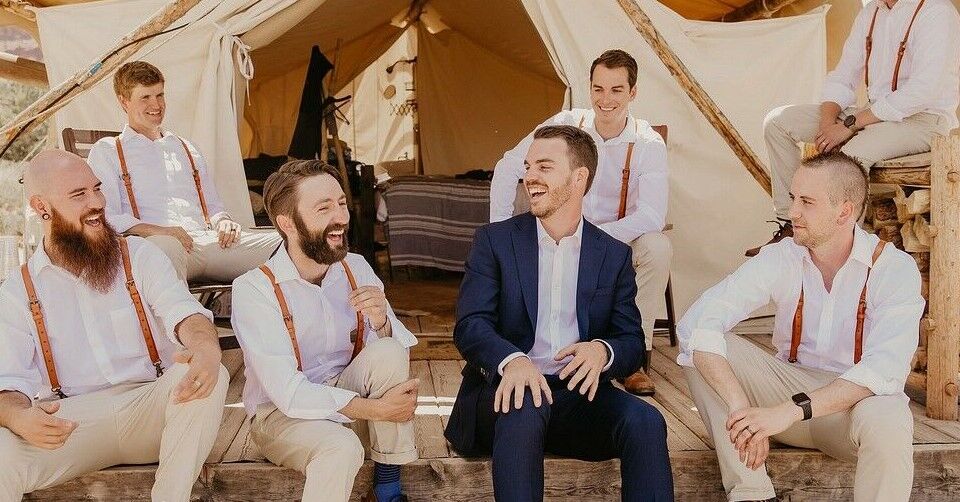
497, 309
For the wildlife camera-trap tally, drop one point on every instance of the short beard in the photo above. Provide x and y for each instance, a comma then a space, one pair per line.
314, 244
557, 198
95, 260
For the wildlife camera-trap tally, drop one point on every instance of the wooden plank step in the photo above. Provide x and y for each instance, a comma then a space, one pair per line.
800, 475
427, 424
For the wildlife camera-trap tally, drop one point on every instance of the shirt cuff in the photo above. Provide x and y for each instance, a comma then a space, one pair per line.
342, 398
506, 360
401, 334
838, 94
886, 112
222, 215
609, 351
178, 313
867, 377
25, 387
708, 340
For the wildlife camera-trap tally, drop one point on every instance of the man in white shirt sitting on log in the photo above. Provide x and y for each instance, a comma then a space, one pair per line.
628, 199
848, 310
295, 317
158, 186
125, 361
908, 53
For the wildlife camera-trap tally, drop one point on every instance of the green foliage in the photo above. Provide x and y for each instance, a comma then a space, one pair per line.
14, 97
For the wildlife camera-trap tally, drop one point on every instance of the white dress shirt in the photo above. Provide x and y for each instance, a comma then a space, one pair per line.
559, 264
95, 337
323, 319
929, 74
890, 333
648, 187
162, 179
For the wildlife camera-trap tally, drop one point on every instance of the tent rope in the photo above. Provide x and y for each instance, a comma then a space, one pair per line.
244, 62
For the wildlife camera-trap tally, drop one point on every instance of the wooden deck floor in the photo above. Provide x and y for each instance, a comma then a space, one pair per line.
237, 472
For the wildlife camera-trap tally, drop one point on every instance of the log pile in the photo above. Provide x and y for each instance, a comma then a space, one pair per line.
901, 215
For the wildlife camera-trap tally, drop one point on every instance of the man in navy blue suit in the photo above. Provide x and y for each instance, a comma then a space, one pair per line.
545, 319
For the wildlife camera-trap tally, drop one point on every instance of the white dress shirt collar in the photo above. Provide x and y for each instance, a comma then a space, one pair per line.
629, 134
543, 235
863, 246
130, 134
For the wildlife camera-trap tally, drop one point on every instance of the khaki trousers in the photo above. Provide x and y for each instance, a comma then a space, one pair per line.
877, 433
133, 423
327, 452
652, 254
209, 262
787, 126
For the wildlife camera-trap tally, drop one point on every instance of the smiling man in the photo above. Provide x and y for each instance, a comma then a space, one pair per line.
157, 186
630, 206
546, 317
124, 360
322, 346
847, 319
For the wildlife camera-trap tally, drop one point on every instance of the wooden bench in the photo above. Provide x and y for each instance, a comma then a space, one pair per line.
79, 141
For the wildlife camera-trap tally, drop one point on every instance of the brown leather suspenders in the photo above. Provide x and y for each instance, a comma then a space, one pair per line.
36, 312
624, 180
288, 318
128, 184
900, 51
861, 315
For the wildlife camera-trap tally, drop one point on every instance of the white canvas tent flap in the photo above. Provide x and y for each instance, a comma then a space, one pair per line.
481, 85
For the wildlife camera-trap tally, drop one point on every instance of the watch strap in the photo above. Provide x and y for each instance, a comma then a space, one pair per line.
803, 401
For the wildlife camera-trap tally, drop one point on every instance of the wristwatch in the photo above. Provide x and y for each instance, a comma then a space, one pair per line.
851, 122
803, 401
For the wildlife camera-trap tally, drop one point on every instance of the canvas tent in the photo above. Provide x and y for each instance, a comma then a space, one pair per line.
500, 68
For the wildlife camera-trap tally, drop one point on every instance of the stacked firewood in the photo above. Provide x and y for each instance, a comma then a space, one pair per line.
901, 215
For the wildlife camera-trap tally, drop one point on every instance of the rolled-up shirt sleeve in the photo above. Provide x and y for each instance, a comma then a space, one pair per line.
105, 163
18, 367
259, 327
894, 309
724, 305
166, 295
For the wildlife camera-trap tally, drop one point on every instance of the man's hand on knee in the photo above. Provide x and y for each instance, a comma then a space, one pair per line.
584, 369
519, 374
201, 378
38, 426
400, 402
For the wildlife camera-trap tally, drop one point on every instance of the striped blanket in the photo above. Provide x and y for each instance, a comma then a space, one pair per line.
431, 220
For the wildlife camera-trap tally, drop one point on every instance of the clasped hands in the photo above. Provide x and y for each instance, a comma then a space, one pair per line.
584, 370
750, 430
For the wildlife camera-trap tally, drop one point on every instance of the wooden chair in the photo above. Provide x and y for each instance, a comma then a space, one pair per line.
79, 141
670, 323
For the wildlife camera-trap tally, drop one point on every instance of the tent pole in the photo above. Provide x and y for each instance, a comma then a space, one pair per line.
696, 93
59, 96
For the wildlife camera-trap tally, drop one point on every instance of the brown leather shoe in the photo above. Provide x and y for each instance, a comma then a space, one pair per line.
785, 230
639, 384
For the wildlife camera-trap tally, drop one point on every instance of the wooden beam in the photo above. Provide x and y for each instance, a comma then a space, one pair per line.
57, 97
757, 9
23, 70
695, 91
943, 339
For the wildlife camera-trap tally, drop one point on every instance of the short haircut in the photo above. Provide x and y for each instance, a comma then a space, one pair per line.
580, 147
849, 181
617, 58
133, 74
281, 190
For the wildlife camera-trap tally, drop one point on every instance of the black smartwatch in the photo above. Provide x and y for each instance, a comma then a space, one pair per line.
850, 122
803, 401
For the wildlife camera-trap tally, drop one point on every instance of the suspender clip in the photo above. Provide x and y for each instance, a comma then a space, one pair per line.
59, 393
159, 368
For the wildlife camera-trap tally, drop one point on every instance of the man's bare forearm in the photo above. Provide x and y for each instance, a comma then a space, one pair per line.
718, 373
146, 230
829, 112
197, 330
11, 402
360, 409
839, 395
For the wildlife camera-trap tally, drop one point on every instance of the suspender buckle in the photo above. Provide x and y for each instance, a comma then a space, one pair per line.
792, 359
159, 368
59, 393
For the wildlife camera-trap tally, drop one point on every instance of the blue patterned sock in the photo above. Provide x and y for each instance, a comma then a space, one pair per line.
386, 479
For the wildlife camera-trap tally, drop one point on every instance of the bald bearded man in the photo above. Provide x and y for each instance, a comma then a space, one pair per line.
107, 359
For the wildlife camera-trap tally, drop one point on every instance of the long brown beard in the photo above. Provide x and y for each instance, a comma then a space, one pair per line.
95, 260
314, 244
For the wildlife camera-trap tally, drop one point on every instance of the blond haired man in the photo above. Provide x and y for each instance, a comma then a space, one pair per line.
158, 186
